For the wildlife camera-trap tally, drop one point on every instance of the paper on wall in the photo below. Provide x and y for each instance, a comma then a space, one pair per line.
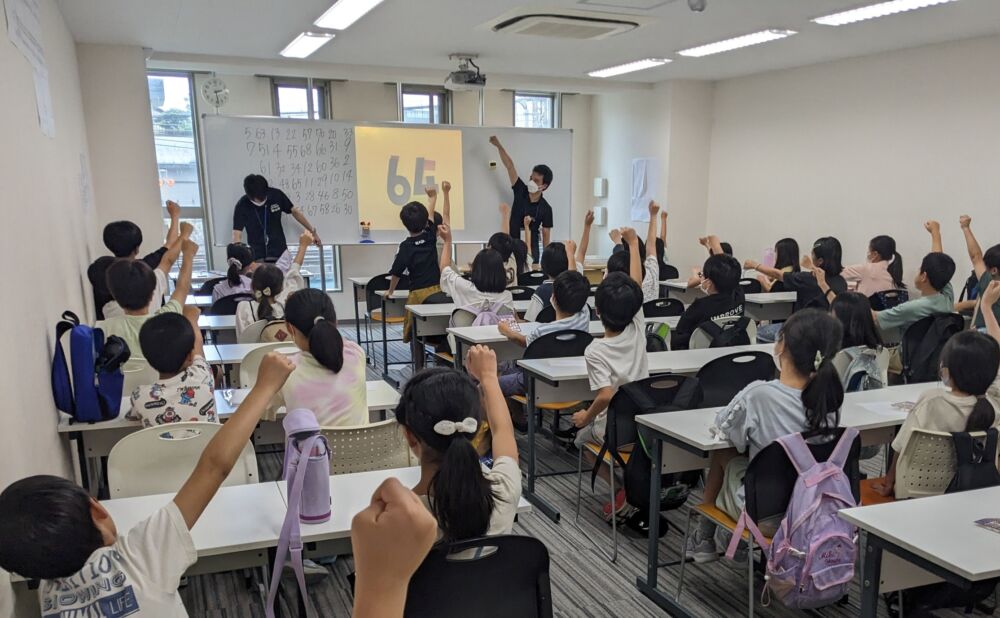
43, 103
24, 27
645, 186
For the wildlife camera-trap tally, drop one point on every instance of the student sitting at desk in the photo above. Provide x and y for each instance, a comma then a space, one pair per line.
883, 271
786, 259
417, 255
969, 401
720, 281
806, 398
52, 530
271, 288
570, 291
240, 265
172, 345
986, 266
487, 284
123, 238
440, 411
133, 284
329, 376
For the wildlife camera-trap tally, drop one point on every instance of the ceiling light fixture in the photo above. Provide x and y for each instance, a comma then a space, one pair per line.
343, 13
746, 40
305, 44
629, 67
881, 9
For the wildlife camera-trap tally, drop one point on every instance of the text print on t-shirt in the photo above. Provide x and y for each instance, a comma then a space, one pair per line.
99, 590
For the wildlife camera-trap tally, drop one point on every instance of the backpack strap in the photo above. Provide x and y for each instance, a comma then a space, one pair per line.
798, 452
963, 447
843, 449
743, 524
990, 448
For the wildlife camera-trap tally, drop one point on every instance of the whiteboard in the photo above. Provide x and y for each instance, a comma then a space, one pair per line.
315, 163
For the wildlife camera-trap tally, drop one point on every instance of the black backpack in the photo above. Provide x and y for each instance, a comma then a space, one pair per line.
922, 345
727, 335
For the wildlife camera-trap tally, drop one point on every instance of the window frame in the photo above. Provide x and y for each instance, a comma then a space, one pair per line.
555, 102
444, 111
322, 85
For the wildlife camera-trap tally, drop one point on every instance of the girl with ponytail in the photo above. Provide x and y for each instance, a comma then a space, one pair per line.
239, 262
968, 399
806, 398
883, 271
440, 411
329, 376
271, 286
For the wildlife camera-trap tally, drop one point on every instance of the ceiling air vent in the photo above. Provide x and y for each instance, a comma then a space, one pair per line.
553, 25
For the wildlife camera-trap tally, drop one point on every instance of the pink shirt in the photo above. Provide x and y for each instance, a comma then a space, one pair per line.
337, 399
870, 277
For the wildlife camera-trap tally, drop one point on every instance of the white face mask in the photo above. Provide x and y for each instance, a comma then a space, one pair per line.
945, 381
256, 203
777, 360
703, 286
533, 187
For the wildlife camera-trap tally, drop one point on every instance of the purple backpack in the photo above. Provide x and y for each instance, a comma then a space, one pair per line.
307, 472
488, 314
811, 557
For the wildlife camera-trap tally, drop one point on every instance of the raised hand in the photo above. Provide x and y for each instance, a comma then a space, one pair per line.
629, 235
173, 209
494, 141
445, 186
481, 362
444, 231
654, 208
274, 370
934, 227
186, 229
431, 191
588, 219
965, 221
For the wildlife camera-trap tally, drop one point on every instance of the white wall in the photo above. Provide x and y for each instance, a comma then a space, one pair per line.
860, 147
53, 237
122, 155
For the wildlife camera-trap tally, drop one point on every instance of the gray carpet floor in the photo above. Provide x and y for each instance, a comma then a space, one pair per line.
584, 583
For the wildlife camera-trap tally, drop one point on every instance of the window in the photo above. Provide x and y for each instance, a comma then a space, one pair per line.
331, 259
290, 98
170, 97
426, 105
534, 111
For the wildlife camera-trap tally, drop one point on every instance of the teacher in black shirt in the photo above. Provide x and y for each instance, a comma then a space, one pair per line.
529, 202
259, 213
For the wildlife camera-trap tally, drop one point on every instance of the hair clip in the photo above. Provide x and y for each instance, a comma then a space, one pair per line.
318, 319
266, 291
447, 428
818, 361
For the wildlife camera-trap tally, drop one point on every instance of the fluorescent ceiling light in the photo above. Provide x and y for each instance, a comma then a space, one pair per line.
343, 13
306, 43
736, 43
881, 9
621, 69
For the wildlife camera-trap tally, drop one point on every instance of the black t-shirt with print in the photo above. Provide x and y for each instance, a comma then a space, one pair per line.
702, 310
97, 273
417, 258
809, 293
254, 219
540, 213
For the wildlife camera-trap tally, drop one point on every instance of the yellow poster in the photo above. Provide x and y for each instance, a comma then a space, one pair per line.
396, 164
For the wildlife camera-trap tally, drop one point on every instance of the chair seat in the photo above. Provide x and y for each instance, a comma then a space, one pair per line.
446, 357
376, 316
716, 514
869, 496
595, 449
561, 405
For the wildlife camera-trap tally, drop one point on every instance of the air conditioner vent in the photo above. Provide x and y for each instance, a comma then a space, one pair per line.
576, 27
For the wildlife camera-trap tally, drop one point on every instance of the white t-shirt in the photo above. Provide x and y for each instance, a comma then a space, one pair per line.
113, 310
337, 399
939, 410
578, 321
505, 478
618, 360
187, 396
651, 282
138, 575
247, 312
127, 326
465, 293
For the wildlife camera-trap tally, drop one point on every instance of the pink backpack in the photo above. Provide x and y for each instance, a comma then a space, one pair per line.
811, 557
488, 314
307, 471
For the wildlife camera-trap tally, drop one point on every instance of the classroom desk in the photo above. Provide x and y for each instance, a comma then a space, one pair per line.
200, 277
198, 301
770, 306
551, 380
217, 323
489, 336
432, 320
678, 288
682, 441
234, 353
915, 542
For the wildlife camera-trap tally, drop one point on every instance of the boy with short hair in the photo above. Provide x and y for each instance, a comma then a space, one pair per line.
619, 357
648, 275
123, 239
417, 257
52, 530
133, 284
172, 345
987, 269
720, 281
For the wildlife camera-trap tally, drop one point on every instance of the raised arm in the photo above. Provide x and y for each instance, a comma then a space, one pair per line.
192, 313
508, 163
446, 207
714, 245
972, 245
990, 298
581, 253
219, 457
432, 198
663, 228
654, 209
570, 255
300, 216
174, 248
305, 241
482, 365
183, 286
445, 233
634, 261
767, 271
504, 218
934, 228
528, 236
173, 232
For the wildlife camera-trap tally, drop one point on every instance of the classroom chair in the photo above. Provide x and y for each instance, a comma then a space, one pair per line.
880, 301
519, 292
922, 344
251, 362
489, 577
373, 313
663, 308
227, 304
208, 286
751, 286
276, 331
593, 289
158, 460
721, 335
668, 272
532, 277
252, 332
769, 482
546, 315
137, 373
661, 393
722, 378
362, 448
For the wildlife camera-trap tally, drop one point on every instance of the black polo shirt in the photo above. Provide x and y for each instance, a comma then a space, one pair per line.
418, 258
540, 213
265, 235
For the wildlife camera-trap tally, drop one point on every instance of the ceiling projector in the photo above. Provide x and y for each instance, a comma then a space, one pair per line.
465, 78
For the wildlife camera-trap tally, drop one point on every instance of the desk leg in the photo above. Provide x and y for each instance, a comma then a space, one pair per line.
357, 316
385, 343
537, 501
459, 360
871, 574
416, 348
76, 441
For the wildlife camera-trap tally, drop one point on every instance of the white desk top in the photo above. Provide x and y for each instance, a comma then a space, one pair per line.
771, 298
396, 295
233, 353
680, 361
381, 396
217, 322
677, 284
198, 301
940, 529
692, 426
361, 282
239, 518
446, 309
475, 335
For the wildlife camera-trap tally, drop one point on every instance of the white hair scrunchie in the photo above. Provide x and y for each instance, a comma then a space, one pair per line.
447, 428
318, 319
